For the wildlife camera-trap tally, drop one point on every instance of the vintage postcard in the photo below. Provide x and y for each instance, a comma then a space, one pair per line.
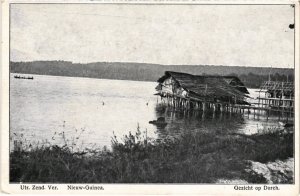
150, 97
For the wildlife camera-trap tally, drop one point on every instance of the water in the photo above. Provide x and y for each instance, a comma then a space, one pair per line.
90, 111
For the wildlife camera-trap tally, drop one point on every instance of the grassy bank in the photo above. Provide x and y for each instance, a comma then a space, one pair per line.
191, 158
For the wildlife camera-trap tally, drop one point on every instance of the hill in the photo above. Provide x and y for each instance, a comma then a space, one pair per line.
251, 76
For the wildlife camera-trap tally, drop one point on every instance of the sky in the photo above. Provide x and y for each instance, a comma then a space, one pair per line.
237, 35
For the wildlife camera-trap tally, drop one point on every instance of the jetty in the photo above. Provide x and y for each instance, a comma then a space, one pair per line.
276, 96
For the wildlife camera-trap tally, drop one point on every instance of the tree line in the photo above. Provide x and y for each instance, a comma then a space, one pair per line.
251, 76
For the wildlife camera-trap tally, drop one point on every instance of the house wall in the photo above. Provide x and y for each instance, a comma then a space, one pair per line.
169, 86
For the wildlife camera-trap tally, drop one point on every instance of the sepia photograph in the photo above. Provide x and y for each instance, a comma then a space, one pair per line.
152, 94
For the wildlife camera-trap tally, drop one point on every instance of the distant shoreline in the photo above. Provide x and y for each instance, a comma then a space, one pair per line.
252, 77
153, 64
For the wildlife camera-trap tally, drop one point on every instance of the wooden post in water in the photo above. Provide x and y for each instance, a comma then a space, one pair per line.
174, 101
221, 107
203, 114
282, 96
204, 106
259, 98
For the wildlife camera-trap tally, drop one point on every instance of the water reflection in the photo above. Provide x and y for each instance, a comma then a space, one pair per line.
180, 121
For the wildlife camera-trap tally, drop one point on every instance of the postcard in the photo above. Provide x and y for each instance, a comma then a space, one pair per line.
150, 97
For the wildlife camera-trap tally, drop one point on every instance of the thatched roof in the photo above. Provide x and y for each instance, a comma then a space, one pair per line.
208, 86
278, 86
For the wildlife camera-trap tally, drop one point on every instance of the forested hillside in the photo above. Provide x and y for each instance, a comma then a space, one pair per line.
251, 76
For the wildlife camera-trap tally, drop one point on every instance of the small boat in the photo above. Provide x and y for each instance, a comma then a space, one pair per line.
23, 77
159, 122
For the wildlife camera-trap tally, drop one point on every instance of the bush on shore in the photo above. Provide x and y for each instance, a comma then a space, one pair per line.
192, 158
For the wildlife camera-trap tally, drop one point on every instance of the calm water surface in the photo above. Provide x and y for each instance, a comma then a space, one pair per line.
89, 111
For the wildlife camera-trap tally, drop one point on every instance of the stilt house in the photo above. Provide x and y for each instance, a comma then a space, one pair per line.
188, 90
277, 95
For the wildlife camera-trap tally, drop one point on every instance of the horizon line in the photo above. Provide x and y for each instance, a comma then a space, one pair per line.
128, 62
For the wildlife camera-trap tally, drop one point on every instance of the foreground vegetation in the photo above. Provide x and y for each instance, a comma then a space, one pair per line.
190, 158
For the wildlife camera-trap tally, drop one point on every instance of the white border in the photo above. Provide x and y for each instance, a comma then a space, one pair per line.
137, 189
